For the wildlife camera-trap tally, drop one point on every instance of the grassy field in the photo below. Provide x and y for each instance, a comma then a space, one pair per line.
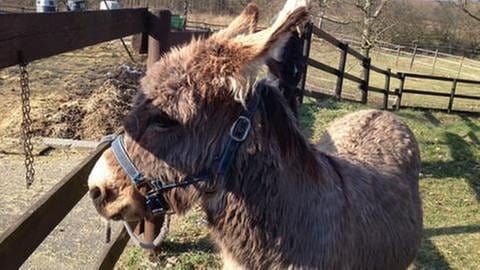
447, 67
450, 187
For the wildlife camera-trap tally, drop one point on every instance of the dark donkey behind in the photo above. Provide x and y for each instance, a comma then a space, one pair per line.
284, 204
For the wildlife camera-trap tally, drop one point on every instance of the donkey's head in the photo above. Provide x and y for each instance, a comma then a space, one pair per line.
190, 99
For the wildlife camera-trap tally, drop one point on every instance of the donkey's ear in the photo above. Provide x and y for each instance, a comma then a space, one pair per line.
264, 43
245, 23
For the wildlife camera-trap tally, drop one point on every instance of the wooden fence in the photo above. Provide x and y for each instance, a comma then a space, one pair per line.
364, 84
31, 36
35, 36
12, 8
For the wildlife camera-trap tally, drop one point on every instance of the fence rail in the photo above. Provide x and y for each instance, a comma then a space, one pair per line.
434, 60
364, 84
10, 8
39, 35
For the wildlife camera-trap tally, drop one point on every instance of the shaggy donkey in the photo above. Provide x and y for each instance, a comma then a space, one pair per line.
350, 203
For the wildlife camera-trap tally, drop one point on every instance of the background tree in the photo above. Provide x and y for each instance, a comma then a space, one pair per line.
371, 10
471, 10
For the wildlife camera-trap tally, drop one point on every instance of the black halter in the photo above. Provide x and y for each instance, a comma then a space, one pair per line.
238, 133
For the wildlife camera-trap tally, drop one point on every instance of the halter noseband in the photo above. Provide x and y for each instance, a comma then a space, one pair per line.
154, 198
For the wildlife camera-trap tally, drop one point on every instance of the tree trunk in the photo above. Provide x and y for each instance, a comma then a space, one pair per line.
367, 27
366, 33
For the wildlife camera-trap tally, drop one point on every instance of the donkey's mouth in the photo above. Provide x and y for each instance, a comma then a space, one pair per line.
124, 213
121, 214
116, 217
112, 212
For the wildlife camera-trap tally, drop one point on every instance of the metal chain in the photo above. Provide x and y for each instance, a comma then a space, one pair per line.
26, 123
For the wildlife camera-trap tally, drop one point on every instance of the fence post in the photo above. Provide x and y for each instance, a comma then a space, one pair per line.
452, 95
341, 68
158, 31
366, 79
460, 66
434, 61
306, 54
400, 91
398, 56
413, 56
387, 88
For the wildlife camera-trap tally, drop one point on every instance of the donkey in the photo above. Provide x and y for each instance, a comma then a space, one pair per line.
203, 132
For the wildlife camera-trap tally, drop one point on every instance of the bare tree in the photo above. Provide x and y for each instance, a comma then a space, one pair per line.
465, 7
326, 13
186, 4
371, 10
360, 14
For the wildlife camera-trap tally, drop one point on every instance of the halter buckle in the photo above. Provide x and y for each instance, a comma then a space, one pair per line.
138, 179
240, 129
156, 203
156, 186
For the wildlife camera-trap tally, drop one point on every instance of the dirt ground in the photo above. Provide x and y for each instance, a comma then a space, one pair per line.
76, 242
77, 95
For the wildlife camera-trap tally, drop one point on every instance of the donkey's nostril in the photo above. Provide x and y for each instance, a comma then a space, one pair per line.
95, 193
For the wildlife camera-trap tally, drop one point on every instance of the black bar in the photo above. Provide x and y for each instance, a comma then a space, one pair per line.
376, 89
306, 52
351, 77
468, 81
467, 97
387, 89
341, 68
452, 95
337, 43
322, 66
428, 77
366, 79
378, 70
425, 92
39, 35
400, 90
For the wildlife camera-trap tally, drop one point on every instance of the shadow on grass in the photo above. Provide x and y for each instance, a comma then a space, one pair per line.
423, 117
430, 232
429, 257
473, 128
431, 118
306, 118
203, 244
463, 163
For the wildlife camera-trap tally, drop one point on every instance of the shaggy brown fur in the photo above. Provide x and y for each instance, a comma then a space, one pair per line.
285, 204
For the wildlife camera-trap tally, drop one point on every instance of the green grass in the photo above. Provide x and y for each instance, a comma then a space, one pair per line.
447, 67
187, 247
450, 189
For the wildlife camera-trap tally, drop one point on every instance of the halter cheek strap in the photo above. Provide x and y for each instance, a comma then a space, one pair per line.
118, 147
156, 204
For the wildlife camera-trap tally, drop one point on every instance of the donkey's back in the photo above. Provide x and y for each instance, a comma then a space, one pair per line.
377, 159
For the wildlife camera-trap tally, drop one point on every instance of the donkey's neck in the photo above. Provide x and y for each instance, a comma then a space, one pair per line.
281, 136
276, 165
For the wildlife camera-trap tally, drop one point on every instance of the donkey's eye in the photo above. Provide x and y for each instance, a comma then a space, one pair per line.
161, 121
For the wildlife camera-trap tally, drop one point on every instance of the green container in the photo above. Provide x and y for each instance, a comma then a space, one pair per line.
177, 22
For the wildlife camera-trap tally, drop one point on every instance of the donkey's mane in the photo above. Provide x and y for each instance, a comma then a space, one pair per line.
279, 123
